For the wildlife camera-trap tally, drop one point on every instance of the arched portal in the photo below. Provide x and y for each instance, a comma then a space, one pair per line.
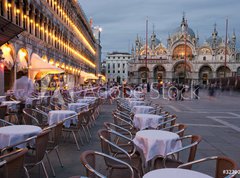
179, 52
182, 72
223, 71
119, 79
238, 71
22, 61
205, 73
159, 73
143, 73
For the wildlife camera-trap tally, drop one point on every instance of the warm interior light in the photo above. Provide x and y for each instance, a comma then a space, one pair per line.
18, 11
9, 5
22, 54
51, 62
6, 49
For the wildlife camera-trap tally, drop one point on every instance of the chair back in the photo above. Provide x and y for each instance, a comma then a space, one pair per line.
57, 133
12, 164
41, 145
88, 159
3, 111
35, 117
224, 163
195, 140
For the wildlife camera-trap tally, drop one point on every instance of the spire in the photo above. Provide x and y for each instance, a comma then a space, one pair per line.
183, 19
234, 35
215, 33
197, 35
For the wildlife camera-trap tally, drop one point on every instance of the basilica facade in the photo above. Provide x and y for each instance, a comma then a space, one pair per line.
184, 59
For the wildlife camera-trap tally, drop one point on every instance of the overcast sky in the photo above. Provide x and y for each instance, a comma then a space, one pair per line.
122, 20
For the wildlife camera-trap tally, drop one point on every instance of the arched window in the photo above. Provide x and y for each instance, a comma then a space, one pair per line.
238, 71
204, 58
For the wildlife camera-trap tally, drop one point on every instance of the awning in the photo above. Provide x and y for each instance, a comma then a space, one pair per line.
87, 76
38, 65
8, 30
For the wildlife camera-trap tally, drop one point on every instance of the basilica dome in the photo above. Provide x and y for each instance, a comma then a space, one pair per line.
181, 30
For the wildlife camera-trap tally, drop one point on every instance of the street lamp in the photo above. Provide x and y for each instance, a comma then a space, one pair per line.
1, 73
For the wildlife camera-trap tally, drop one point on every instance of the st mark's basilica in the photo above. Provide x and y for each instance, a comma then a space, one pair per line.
184, 58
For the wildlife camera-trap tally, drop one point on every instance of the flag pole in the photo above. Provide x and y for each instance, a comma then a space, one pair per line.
226, 38
146, 47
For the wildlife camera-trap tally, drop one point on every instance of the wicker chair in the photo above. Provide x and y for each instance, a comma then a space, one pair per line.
222, 164
177, 128
88, 159
172, 159
120, 146
3, 111
12, 164
35, 117
84, 120
40, 147
53, 143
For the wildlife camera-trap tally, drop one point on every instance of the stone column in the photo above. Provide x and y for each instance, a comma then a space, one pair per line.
4, 3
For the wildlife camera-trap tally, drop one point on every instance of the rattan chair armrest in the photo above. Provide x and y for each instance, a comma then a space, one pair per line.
6, 122
197, 161
19, 143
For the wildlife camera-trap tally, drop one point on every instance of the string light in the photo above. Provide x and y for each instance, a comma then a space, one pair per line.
69, 49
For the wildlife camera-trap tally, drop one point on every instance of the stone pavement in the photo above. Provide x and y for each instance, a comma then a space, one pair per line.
217, 120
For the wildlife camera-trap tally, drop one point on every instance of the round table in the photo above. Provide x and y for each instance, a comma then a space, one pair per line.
156, 142
175, 173
57, 116
142, 109
77, 107
11, 104
136, 103
13, 134
86, 100
143, 121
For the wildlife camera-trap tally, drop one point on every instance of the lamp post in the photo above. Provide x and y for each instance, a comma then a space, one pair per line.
1, 73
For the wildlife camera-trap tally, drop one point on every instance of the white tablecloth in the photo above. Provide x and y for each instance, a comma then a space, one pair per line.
11, 135
136, 103
11, 104
137, 94
29, 101
156, 142
86, 100
2, 98
143, 121
142, 109
57, 116
77, 107
175, 173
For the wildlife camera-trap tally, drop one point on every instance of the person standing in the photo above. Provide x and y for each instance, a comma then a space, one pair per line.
23, 87
148, 87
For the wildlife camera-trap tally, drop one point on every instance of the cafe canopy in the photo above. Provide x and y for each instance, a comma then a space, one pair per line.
40, 65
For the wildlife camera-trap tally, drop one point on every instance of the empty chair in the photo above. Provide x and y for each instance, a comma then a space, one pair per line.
224, 166
53, 143
120, 146
35, 117
176, 128
39, 150
12, 164
174, 159
89, 160
3, 111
